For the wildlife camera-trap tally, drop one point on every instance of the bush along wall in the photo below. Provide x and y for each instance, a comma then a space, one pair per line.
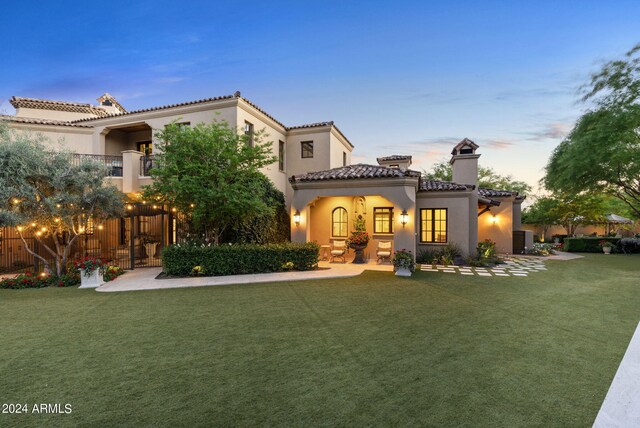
587, 244
180, 260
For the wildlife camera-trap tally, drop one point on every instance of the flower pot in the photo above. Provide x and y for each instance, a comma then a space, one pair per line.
403, 271
94, 280
607, 250
359, 249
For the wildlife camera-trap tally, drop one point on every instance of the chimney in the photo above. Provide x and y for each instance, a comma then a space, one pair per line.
464, 163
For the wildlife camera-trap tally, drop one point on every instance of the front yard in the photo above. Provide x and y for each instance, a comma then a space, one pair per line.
435, 349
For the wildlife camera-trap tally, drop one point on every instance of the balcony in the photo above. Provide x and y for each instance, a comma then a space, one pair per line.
113, 164
147, 163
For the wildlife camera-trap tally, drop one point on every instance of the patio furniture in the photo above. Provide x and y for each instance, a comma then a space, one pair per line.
338, 250
384, 251
325, 252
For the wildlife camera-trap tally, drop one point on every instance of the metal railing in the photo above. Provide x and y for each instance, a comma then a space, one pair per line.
112, 163
147, 163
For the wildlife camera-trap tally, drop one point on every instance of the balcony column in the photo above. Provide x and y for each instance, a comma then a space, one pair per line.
98, 142
131, 171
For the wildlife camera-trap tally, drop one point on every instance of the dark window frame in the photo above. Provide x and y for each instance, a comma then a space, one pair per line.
250, 131
345, 222
433, 226
390, 219
309, 145
281, 155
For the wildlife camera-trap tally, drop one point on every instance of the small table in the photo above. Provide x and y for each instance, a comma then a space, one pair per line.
325, 252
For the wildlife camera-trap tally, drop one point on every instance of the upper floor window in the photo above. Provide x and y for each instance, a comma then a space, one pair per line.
307, 149
339, 222
281, 155
383, 220
433, 225
145, 147
248, 131
344, 158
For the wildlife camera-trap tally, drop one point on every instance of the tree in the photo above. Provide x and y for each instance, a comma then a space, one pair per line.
46, 195
602, 152
567, 210
212, 172
487, 177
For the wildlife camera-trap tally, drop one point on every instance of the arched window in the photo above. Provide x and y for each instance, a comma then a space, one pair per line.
339, 222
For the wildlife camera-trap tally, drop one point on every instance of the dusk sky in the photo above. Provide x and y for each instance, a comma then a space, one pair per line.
396, 77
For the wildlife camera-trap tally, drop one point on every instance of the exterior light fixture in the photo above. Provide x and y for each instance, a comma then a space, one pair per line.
296, 218
494, 219
404, 218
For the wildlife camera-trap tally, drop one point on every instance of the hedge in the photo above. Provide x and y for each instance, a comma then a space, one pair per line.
587, 244
179, 260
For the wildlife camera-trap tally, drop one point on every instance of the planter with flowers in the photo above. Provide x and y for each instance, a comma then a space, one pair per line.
607, 246
358, 242
91, 271
403, 263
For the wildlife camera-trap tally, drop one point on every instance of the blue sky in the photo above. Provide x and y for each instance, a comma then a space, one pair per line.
396, 77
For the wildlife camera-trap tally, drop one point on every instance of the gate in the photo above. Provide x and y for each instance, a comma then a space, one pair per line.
133, 241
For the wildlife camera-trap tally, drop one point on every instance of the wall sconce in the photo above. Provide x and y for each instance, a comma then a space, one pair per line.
404, 218
296, 218
494, 219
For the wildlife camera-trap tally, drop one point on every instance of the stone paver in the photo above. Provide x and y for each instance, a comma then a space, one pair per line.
519, 266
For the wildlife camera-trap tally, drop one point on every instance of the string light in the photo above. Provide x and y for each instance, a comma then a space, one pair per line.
16, 200
20, 228
44, 229
100, 227
33, 225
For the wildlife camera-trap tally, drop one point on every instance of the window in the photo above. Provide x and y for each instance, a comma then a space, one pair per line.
281, 155
344, 158
339, 222
145, 147
248, 131
307, 149
433, 225
383, 220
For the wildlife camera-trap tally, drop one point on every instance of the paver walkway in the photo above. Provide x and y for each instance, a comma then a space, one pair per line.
512, 266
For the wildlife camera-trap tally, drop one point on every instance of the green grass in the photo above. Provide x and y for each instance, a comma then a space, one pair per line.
436, 349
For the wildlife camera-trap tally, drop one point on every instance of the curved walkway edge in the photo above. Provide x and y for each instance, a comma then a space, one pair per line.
621, 406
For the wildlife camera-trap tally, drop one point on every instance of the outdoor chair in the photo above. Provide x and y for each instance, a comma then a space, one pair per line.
338, 250
384, 251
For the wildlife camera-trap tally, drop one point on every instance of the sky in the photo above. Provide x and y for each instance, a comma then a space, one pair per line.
397, 77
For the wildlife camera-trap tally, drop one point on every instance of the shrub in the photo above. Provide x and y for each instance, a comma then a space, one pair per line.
30, 280
587, 244
446, 254
111, 272
540, 249
221, 260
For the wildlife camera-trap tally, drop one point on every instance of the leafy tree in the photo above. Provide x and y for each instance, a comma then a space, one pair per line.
487, 177
212, 172
601, 154
567, 210
46, 195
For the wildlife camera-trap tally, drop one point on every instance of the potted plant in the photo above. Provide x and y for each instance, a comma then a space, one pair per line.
358, 240
607, 246
91, 271
403, 263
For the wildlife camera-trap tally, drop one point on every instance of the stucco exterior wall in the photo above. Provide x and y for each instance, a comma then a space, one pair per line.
51, 114
458, 218
338, 148
77, 140
501, 230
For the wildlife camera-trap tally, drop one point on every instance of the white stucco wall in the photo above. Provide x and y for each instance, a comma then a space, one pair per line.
500, 231
77, 140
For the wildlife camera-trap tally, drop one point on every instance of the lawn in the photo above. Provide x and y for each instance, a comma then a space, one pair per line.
436, 349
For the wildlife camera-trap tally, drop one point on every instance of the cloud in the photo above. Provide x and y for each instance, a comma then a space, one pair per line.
498, 143
552, 131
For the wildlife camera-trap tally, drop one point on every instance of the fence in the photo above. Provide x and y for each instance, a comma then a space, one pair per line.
133, 241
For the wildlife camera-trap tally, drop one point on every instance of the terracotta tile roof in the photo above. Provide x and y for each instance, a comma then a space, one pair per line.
394, 158
442, 186
36, 103
492, 193
34, 121
108, 96
319, 125
205, 100
355, 172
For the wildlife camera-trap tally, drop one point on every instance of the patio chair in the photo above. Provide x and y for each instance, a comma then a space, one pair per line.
384, 251
338, 250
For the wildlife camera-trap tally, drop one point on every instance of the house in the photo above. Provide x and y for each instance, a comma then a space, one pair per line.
324, 191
